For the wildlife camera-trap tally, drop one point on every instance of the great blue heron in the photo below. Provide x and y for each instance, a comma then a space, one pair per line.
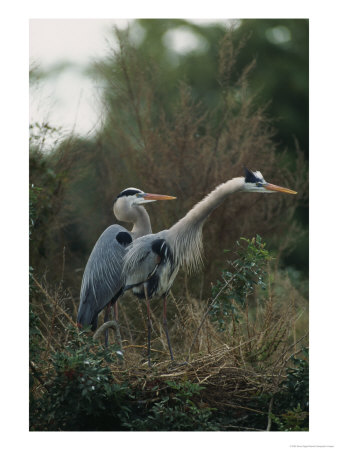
152, 262
102, 283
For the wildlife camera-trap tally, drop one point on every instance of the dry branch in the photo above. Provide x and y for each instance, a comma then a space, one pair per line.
53, 301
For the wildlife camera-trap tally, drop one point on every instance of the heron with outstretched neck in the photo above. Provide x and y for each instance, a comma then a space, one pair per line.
102, 282
151, 262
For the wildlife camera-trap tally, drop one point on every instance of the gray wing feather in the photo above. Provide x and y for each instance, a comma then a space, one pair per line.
102, 278
140, 261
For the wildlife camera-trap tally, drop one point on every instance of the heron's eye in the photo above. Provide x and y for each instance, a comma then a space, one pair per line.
259, 184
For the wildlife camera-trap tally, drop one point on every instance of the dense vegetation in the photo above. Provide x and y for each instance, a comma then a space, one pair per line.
243, 368
240, 327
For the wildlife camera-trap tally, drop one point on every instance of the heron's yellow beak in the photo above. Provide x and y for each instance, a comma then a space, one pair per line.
157, 197
273, 187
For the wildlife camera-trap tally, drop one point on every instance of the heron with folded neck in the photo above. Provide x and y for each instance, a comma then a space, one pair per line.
102, 282
151, 262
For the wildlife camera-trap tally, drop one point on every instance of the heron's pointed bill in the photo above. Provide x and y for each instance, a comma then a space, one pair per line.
273, 187
157, 197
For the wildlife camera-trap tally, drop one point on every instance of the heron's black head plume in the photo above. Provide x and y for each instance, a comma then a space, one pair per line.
250, 177
127, 192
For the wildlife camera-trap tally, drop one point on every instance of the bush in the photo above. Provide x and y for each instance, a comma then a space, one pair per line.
176, 410
239, 281
81, 393
293, 398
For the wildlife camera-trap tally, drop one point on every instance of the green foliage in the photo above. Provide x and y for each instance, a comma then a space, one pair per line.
297, 382
80, 393
279, 46
42, 201
281, 49
290, 410
35, 344
292, 420
33, 199
176, 410
43, 136
244, 274
52, 162
293, 397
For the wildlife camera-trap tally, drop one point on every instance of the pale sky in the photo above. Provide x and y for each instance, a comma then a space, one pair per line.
68, 98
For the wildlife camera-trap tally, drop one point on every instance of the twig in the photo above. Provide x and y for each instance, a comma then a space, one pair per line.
177, 307
296, 353
289, 348
63, 265
121, 307
144, 347
242, 428
244, 407
36, 375
50, 331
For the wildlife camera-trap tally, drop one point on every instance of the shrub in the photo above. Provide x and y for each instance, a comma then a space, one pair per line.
239, 281
177, 409
81, 393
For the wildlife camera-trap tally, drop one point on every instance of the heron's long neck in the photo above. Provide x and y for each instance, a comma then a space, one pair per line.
141, 220
186, 234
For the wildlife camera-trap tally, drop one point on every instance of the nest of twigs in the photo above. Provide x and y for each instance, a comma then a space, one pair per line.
229, 375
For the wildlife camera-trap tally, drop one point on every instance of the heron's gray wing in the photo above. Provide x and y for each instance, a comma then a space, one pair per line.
102, 280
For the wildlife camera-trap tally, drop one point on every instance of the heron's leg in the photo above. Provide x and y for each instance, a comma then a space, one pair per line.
116, 312
165, 324
149, 320
117, 329
106, 318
